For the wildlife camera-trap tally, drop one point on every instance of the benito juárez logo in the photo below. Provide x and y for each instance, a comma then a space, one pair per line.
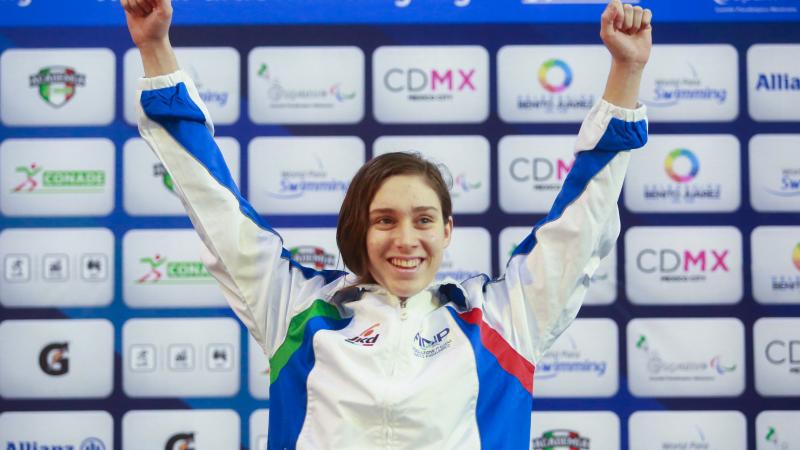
555, 77
682, 167
788, 282
57, 85
173, 272
58, 181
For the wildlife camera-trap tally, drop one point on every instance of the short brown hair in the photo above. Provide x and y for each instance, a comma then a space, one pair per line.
351, 231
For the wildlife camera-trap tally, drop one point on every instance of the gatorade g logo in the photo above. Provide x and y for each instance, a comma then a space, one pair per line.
180, 441
54, 360
366, 338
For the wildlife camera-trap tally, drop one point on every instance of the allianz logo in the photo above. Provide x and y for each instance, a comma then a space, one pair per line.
91, 443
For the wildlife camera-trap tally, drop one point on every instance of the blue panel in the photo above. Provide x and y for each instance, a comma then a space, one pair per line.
203, 12
504, 406
287, 395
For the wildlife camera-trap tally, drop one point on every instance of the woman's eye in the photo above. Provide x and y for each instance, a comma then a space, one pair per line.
426, 220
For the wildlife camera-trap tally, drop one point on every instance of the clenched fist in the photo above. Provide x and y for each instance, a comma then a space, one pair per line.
626, 32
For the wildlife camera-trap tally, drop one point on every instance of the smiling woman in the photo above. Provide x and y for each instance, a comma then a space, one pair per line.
395, 221
389, 358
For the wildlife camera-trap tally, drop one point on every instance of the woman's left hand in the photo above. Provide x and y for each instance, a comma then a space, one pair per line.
627, 34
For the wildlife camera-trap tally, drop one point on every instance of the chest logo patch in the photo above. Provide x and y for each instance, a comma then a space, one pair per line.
366, 338
429, 346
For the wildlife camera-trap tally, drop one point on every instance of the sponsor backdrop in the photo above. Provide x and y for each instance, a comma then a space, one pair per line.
113, 334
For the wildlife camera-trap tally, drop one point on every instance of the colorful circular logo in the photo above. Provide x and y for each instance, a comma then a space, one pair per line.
796, 256
555, 64
669, 165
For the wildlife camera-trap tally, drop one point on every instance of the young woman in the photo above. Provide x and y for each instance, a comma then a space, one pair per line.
387, 359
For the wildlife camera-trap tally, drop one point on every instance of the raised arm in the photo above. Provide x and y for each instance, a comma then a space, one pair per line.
263, 285
548, 274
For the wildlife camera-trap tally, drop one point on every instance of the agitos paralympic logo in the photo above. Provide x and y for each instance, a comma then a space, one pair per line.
173, 272
37, 180
560, 439
57, 85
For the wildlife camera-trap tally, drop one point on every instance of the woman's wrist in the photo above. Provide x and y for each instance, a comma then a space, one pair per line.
157, 57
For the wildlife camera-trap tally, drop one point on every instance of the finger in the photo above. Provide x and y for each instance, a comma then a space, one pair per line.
126, 5
637, 18
619, 11
647, 18
628, 23
145, 6
135, 9
165, 5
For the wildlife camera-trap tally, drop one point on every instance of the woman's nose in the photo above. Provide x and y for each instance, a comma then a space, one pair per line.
405, 235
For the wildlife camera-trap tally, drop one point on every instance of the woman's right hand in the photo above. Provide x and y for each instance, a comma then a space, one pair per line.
148, 21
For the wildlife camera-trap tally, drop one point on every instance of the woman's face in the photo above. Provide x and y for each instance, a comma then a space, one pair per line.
407, 235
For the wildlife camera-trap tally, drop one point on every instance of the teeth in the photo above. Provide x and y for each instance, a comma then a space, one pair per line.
406, 263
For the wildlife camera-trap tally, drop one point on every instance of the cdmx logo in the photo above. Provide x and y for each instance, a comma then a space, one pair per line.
175, 272
546, 79
416, 80
57, 84
58, 181
54, 358
669, 261
180, 441
546, 174
561, 439
671, 166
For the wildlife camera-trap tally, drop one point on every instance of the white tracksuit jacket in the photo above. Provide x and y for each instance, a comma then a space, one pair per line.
453, 367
